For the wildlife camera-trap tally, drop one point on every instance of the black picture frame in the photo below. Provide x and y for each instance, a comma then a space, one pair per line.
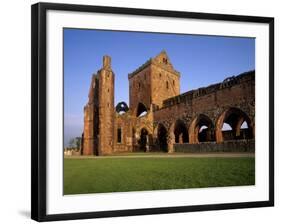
39, 122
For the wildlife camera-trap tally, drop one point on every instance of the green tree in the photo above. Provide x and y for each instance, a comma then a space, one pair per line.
72, 143
75, 143
78, 141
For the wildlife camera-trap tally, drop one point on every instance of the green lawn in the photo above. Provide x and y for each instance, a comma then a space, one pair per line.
96, 175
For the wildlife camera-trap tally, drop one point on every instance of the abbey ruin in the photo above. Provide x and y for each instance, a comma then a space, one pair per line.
160, 118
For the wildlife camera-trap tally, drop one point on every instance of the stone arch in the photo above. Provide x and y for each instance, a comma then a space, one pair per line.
146, 126
162, 137
201, 129
234, 117
171, 137
139, 139
144, 139
141, 109
180, 132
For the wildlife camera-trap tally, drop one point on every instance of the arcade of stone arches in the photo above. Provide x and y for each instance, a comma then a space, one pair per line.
232, 124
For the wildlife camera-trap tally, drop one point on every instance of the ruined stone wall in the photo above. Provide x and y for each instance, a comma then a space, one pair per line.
226, 146
124, 123
88, 138
131, 127
91, 119
211, 101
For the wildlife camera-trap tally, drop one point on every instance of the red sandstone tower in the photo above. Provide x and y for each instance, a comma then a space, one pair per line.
106, 107
153, 82
99, 112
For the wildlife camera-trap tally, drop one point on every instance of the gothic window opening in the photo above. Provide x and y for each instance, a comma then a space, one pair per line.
167, 84
122, 108
141, 110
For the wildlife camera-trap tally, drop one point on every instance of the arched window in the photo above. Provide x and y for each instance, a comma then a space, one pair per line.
180, 132
141, 110
121, 108
167, 84
234, 124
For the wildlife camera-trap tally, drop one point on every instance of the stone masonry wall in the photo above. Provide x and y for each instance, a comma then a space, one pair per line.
210, 101
226, 146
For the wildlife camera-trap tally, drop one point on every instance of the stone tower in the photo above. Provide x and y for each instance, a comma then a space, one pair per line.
106, 107
153, 82
99, 112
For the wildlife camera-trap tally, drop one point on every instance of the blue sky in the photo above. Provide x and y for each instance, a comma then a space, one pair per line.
201, 60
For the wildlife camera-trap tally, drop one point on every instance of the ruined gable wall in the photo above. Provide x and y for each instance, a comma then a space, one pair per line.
130, 126
91, 119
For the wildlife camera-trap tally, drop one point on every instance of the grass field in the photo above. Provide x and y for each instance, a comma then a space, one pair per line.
97, 175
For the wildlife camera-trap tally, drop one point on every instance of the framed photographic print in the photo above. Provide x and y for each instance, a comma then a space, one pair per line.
139, 111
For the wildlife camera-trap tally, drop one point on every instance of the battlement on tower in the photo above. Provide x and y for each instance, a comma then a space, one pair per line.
161, 60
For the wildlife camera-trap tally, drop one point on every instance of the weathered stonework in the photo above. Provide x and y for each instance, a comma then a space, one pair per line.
99, 113
158, 116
